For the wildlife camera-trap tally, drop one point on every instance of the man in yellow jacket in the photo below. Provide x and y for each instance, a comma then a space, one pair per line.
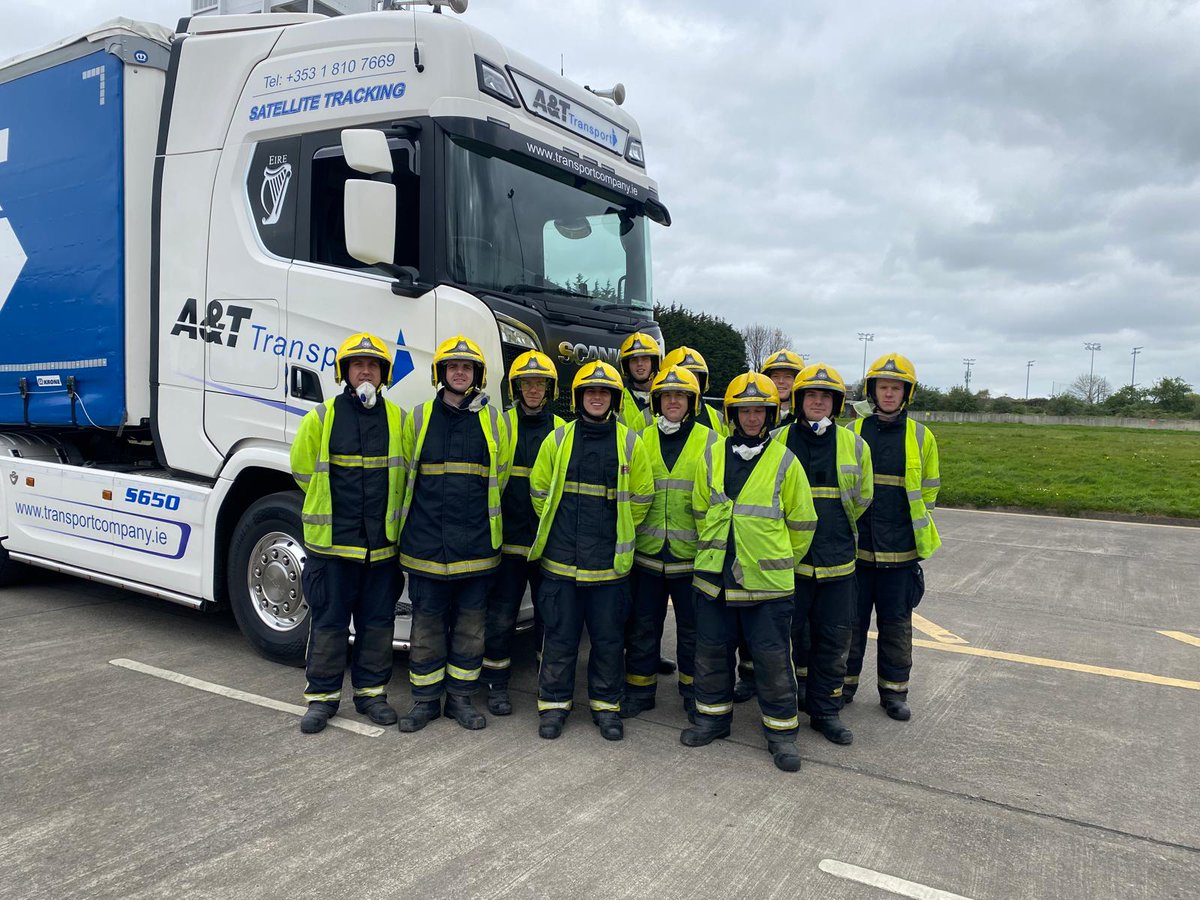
346, 458
896, 533
755, 519
456, 448
591, 487
838, 465
640, 361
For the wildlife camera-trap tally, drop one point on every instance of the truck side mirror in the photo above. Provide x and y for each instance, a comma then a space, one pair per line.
370, 215
366, 150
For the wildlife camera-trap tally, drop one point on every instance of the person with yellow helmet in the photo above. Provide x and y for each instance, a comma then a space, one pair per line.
693, 360
897, 532
838, 465
782, 367
456, 447
666, 542
755, 522
641, 358
591, 486
347, 460
533, 385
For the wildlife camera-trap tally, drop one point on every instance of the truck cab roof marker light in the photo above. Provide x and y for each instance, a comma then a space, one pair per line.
634, 153
494, 83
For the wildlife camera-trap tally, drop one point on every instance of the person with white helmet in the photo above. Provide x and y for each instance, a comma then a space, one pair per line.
456, 447
347, 460
896, 533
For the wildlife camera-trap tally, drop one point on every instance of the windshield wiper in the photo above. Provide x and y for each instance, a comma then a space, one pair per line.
543, 289
605, 307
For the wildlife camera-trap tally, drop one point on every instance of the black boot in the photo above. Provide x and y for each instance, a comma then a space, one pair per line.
666, 666
689, 709
896, 708
702, 734
848, 695
610, 725
744, 690
378, 710
460, 708
422, 713
551, 724
498, 701
785, 755
632, 706
832, 728
317, 717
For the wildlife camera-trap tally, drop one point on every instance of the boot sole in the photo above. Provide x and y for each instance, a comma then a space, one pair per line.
707, 739
410, 726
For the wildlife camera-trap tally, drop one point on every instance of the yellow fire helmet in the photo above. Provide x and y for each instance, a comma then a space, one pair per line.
675, 378
893, 365
752, 389
821, 377
366, 345
459, 349
597, 374
533, 364
690, 359
783, 359
640, 344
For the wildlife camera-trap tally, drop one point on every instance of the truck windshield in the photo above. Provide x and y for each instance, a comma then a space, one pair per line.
516, 227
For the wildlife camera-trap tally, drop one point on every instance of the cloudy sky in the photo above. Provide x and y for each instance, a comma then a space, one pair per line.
1000, 182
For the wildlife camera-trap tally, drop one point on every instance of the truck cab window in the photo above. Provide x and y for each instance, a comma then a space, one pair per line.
327, 238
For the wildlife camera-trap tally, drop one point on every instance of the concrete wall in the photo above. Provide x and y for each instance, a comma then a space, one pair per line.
1101, 421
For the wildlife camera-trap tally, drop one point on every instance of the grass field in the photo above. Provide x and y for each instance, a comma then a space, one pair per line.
1070, 469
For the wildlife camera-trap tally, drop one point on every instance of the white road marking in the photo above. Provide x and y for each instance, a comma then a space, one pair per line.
235, 694
1182, 636
886, 882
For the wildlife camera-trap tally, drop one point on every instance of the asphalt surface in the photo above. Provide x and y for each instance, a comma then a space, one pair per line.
1020, 776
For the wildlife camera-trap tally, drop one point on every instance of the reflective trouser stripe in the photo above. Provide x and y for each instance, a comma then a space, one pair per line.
851, 679
462, 674
893, 685
497, 663
603, 706
781, 724
802, 672
685, 678
371, 691
544, 705
433, 677
906, 556
715, 709
641, 680
330, 697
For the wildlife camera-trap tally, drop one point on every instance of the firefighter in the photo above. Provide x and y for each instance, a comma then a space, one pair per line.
782, 367
533, 384
591, 486
693, 361
456, 447
838, 465
755, 523
347, 460
640, 362
896, 533
666, 542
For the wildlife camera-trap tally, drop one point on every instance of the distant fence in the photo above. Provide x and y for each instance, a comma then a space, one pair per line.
1095, 421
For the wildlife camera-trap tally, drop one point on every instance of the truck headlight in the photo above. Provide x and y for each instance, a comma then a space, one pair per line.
513, 333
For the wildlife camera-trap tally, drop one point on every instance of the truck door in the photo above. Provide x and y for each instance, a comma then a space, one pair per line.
332, 295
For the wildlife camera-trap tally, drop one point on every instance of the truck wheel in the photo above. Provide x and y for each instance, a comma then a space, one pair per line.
10, 570
266, 560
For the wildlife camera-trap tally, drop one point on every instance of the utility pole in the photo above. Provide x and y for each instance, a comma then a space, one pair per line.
1028, 366
1092, 347
1133, 371
968, 363
865, 337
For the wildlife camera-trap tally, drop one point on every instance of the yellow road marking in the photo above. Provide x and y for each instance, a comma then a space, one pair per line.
1182, 636
1144, 677
937, 632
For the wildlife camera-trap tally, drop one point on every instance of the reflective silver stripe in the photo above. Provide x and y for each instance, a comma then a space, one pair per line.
316, 519
763, 512
640, 498
825, 493
741, 595
493, 511
624, 547
918, 524
717, 498
395, 461
889, 480
801, 526
893, 685
514, 549
301, 477
913, 495
631, 440
699, 515
520, 472
394, 516
779, 724
541, 495
321, 465
462, 674
930, 507
704, 586
931, 482
320, 410
672, 484
590, 490
780, 475
553, 704
850, 467
721, 544
454, 468
497, 663
770, 565
714, 709
920, 429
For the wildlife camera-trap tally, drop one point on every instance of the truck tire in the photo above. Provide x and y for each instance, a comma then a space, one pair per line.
10, 570
266, 561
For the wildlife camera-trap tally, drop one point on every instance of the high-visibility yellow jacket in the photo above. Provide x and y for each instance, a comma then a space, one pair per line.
670, 518
495, 433
635, 487
706, 416
310, 467
519, 515
632, 415
922, 481
772, 524
856, 486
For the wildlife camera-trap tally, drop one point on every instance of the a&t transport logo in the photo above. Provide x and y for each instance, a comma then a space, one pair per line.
213, 329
